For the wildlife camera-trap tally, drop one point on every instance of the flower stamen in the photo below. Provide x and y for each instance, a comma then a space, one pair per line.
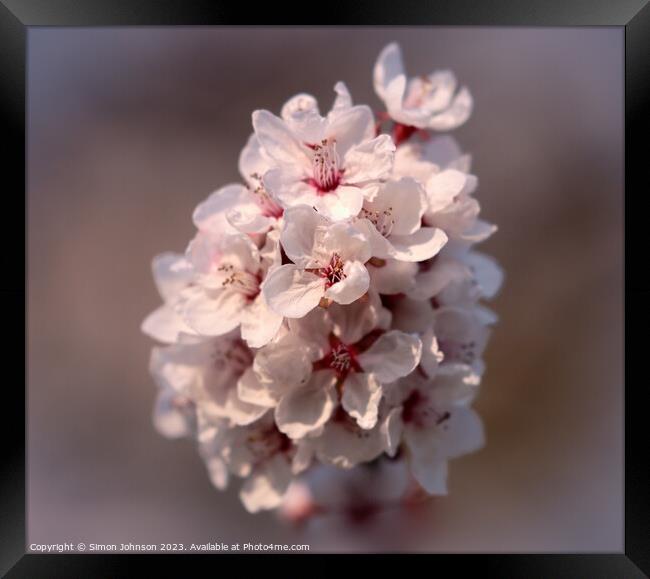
333, 271
325, 165
382, 220
342, 358
241, 281
269, 207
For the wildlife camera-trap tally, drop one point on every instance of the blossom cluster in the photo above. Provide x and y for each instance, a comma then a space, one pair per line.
329, 308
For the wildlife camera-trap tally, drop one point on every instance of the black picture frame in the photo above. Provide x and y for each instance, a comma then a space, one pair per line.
17, 17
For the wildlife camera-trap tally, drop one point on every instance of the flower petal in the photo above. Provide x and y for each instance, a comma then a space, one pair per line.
342, 203
170, 420
313, 330
431, 353
248, 218
405, 201
361, 396
298, 233
278, 141
208, 251
343, 99
440, 88
369, 161
267, 485
479, 231
428, 468
454, 385
379, 246
289, 186
354, 321
217, 472
486, 316
459, 111
443, 272
210, 215
350, 127
391, 431
239, 413
394, 99
292, 292
355, 283
164, 324
442, 187
443, 151
388, 66
464, 433
179, 367
259, 323
302, 116
303, 458
461, 334
393, 355
394, 277
419, 246
214, 315
345, 239
250, 389
346, 445
284, 364
253, 161
411, 161
307, 408
487, 272
171, 272
413, 315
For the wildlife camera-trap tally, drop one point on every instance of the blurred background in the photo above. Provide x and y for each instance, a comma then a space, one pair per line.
129, 128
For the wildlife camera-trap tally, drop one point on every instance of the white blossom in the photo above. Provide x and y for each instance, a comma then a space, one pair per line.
257, 452
205, 372
227, 291
328, 262
392, 221
426, 102
437, 423
331, 163
248, 208
340, 356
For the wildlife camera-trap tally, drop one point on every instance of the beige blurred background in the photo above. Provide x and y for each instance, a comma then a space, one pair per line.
130, 128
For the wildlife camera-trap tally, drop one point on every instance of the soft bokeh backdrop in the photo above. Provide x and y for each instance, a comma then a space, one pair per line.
130, 128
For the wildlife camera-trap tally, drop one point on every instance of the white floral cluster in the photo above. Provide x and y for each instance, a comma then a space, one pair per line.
328, 308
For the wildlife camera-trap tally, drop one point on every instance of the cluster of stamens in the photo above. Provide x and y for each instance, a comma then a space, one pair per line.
333, 271
325, 165
239, 280
340, 359
269, 207
382, 220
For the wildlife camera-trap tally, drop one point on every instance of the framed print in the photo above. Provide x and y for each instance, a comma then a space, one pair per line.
346, 287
